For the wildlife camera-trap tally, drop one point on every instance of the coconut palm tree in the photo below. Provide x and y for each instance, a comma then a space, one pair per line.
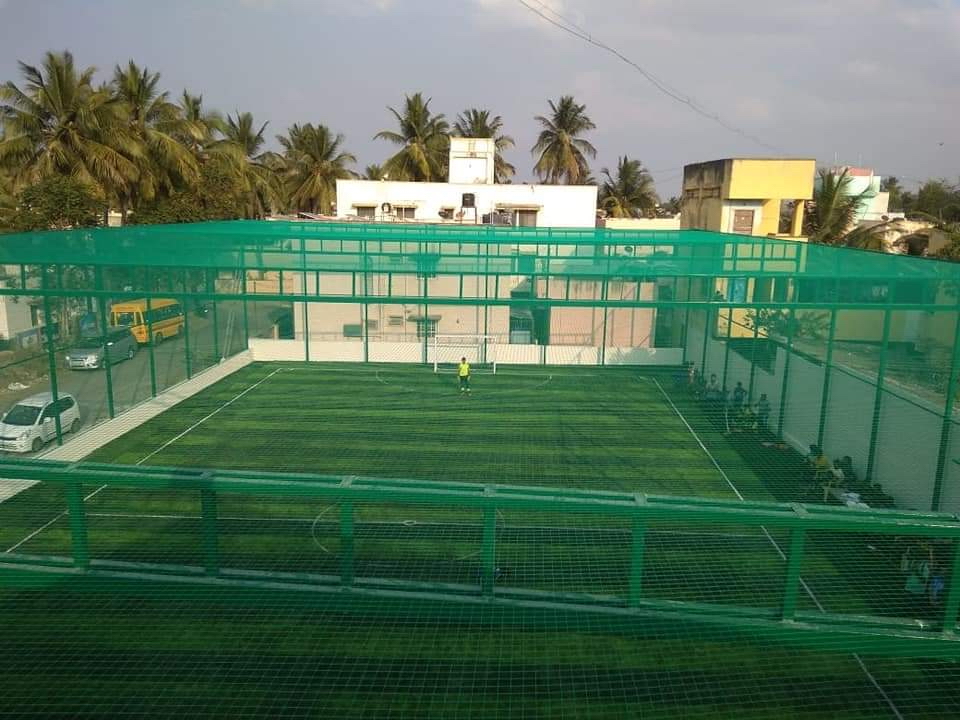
158, 125
314, 160
423, 139
373, 172
241, 146
562, 152
832, 213
58, 123
631, 193
209, 124
475, 123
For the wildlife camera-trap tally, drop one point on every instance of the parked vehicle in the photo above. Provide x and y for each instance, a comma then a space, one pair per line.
31, 423
91, 353
163, 319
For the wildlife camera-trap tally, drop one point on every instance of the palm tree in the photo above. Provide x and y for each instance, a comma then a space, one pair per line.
373, 172
8, 200
314, 161
424, 141
562, 152
60, 124
159, 125
207, 123
631, 193
832, 213
241, 146
474, 123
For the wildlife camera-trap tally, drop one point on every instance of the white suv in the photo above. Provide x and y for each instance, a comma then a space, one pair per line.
31, 423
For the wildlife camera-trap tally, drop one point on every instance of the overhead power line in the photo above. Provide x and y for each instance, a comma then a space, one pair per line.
568, 26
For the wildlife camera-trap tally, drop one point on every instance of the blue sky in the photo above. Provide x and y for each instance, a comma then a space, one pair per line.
875, 82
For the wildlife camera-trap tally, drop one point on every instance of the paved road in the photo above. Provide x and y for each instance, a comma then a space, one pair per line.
131, 378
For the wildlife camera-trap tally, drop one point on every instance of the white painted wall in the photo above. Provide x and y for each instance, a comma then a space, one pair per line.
14, 316
731, 206
472, 160
642, 223
557, 205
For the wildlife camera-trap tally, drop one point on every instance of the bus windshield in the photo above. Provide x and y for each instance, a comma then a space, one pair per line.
125, 318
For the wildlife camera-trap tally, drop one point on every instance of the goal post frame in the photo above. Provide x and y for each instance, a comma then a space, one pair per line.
481, 342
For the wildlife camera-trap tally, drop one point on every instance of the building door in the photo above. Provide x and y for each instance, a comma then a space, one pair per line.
743, 222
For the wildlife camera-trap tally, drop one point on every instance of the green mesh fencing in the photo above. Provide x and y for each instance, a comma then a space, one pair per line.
281, 499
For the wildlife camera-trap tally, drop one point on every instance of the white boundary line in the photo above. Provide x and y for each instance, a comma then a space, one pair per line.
776, 546
146, 457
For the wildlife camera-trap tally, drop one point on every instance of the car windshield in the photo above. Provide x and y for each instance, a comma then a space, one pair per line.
89, 343
124, 318
22, 415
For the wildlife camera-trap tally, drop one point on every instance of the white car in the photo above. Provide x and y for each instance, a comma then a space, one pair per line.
31, 423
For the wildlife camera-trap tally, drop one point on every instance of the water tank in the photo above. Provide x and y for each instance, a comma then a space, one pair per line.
468, 200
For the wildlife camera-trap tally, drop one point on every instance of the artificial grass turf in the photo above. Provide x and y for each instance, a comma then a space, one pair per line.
593, 429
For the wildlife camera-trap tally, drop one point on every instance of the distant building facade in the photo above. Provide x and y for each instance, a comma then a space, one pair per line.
470, 197
747, 195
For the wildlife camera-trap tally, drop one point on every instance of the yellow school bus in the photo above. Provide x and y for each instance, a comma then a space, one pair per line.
164, 318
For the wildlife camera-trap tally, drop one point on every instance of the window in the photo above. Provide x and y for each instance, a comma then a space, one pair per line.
743, 222
525, 218
404, 213
395, 320
65, 404
366, 211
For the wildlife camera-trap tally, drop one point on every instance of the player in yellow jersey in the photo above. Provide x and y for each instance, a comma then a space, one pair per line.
463, 372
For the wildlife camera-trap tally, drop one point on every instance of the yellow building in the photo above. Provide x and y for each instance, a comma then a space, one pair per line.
745, 195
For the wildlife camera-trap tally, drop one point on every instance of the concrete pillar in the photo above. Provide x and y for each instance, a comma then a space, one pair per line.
796, 223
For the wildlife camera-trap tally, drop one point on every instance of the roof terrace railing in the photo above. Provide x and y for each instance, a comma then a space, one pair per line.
844, 631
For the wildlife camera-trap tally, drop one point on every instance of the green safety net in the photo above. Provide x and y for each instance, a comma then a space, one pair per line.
690, 474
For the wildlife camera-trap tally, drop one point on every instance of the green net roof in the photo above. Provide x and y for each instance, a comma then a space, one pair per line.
689, 474
365, 247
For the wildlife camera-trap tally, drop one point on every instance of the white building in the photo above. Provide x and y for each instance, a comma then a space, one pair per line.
471, 197
19, 324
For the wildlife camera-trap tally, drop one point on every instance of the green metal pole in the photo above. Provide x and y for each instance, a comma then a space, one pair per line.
51, 356
216, 330
78, 525
102, 310
952, 604
878, 395
636, 562
488, 551
686, 332
707, 315
794, 565
211, 549
604, 287
753, 362
947, 424
186, 340
246, 311
150, 348
726, 349
825, 393
782, 410
346, 544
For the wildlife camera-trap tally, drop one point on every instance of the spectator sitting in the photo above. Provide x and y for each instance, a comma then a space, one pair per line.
819, 463
849, 475
832, 478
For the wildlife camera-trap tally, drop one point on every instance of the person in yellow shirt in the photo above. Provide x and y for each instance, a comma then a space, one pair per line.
463, 372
